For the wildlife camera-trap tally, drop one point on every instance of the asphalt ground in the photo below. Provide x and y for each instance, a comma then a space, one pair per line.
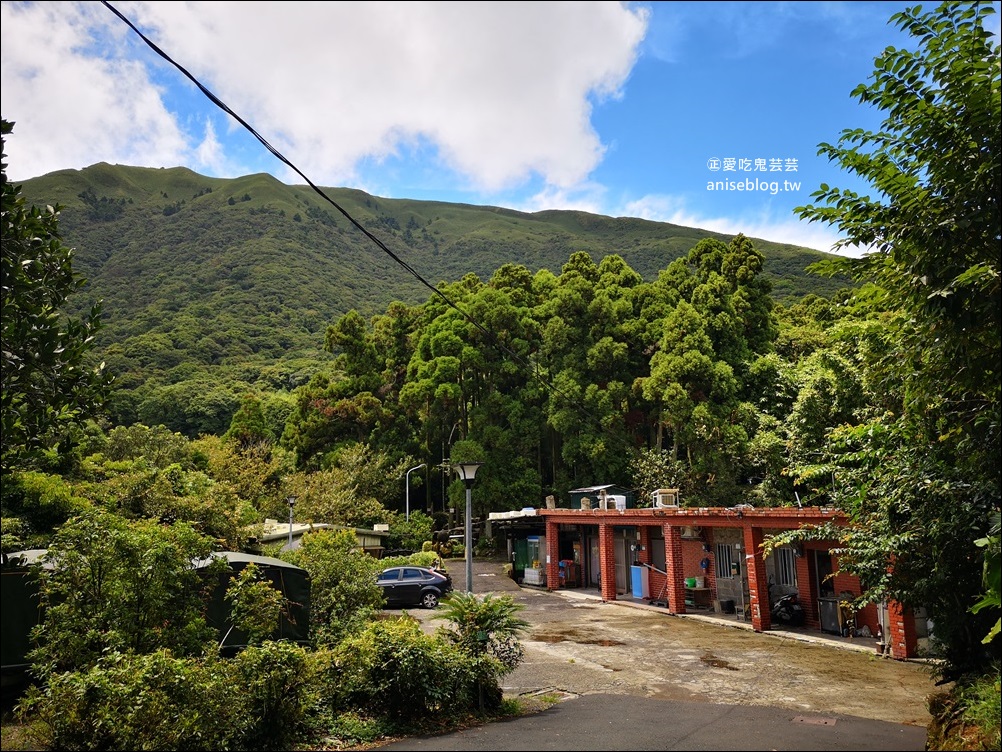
621, 722
632, 677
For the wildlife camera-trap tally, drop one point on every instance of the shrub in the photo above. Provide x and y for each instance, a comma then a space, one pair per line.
116, 586
154, 701
261, 699
396, 670
276, 680
486, 630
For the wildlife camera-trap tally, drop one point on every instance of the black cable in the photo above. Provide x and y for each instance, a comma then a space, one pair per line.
492, 337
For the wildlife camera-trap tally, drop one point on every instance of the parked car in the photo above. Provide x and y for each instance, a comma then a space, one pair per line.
414, 586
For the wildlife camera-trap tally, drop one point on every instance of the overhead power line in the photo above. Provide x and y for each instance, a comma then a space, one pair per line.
491, 336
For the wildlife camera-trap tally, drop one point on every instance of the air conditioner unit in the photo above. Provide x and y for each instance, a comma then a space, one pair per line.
665, 498
614, 501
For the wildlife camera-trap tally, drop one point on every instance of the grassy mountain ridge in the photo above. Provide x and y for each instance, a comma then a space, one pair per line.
244, 274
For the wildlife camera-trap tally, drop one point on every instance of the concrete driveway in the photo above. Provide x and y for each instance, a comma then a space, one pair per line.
633, 676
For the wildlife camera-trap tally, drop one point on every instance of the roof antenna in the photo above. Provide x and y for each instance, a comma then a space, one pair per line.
799, 505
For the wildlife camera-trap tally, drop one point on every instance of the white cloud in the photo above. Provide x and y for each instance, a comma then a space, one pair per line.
674, 210
503, 91
73, 106
586, 197
210, 152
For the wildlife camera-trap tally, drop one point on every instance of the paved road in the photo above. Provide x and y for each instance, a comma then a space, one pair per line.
620, 722
668, 683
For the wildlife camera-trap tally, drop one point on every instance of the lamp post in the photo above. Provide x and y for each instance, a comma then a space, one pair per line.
291, 501
407, 483
445, 469
467, 471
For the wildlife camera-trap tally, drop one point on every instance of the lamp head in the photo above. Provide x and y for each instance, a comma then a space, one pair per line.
291, 501
467, 471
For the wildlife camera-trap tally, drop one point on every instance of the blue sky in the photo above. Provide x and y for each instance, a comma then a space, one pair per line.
655, 110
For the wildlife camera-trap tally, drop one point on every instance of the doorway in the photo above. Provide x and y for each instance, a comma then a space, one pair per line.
823, 569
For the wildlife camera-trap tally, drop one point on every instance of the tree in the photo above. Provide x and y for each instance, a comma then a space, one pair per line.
248, 427
256, 607
47, 383
343, 590
111, 585
934, 229
921, 477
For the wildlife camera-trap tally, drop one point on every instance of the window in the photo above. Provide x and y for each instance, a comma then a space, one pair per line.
389, 575
786, 567
412, 574
724, 561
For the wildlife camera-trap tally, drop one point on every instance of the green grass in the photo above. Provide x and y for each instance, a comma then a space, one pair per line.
968, 717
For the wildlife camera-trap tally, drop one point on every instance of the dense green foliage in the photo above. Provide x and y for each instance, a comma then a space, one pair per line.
487, 630
125, 659
919, 469
562, 381
344, 594
113, 586
48, 385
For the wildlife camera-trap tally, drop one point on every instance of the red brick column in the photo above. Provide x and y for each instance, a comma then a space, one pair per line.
607, 561
806, 590
552, 555
758, 580
675, 569
901, 637
644, 554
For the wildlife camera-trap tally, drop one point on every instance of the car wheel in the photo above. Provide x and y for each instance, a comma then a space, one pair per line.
429, 599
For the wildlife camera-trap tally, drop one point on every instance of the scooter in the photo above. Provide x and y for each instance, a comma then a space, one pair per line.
788, 611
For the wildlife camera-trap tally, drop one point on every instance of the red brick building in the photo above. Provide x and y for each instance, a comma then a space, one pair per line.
689, 558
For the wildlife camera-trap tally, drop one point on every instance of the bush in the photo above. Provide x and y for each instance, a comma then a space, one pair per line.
261, 699
968, 716
343, 589
417, 559
485, 629
119, 587
276, 680
394, 669
154, 701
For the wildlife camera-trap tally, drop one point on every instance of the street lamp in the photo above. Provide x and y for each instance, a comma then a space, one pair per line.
407, 483
291, 501
467, 471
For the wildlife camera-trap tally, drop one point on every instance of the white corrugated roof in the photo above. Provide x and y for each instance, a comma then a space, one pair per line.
524, 512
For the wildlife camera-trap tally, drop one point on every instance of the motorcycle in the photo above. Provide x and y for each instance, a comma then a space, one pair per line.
788, 611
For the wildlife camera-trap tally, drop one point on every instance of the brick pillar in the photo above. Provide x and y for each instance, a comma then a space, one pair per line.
552, 563
758, 581
675, 569
607, 561
644, 555
901, 637
806, 590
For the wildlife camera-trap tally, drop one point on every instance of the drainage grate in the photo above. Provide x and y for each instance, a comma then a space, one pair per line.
814, 721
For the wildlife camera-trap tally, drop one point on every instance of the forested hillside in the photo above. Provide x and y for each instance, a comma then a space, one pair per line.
215, 287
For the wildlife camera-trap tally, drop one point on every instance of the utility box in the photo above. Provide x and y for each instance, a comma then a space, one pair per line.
828, 613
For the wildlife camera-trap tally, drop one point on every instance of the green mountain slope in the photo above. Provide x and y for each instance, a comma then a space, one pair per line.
197, 273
